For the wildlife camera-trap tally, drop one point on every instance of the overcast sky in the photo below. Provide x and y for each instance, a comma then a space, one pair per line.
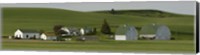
183, 7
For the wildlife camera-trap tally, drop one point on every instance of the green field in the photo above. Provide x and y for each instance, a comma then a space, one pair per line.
111, 46
182, 28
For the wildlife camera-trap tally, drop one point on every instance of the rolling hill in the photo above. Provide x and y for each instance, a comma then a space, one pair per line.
45, 18
143, 13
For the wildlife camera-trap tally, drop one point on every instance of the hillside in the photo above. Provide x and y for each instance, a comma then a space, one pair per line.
46, 18
144, 13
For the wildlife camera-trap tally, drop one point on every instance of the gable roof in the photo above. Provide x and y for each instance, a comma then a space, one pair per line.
28, 31
49, 34
72, 29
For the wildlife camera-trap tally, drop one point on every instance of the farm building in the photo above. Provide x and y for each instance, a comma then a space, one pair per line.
48, 36
87, 31
126, 33
70, 31
26, 34
155, 31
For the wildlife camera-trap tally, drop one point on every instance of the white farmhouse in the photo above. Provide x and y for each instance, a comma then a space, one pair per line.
48, 36
26, 34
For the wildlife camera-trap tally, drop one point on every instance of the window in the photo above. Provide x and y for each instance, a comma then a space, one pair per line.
34, 36
26, 36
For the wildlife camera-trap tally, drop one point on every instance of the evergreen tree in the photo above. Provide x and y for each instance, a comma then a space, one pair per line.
57, 31
112, 11
105, 29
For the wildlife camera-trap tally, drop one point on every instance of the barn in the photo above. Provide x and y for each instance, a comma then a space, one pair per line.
155, 31
70, 31
48, 36
26, 34
126, 32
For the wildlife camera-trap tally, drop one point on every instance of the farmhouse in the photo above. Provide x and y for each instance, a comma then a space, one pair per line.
87, 31
155, 31
126, 33
26, 34
48, 36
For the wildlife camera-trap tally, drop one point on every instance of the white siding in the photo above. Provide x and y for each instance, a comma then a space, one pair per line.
43, 37
18, 34
51, 38
148, 35
82, 31
120, 37
30, 35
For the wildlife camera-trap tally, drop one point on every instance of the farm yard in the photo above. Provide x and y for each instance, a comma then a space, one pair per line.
181, 27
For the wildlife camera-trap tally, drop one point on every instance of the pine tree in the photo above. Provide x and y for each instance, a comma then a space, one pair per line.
112, 11
57, 30
105, 29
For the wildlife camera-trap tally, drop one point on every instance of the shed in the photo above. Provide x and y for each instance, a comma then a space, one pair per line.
155, 31
126, 32
48, 36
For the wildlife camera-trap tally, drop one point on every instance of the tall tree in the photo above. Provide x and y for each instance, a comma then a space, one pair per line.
57, 29
105, 29
41, 31
112, 11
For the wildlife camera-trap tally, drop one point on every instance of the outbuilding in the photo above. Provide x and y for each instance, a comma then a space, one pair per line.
87, 31
126, 32
155, 31
48, 36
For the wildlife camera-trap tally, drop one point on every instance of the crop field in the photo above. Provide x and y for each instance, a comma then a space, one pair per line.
181, 26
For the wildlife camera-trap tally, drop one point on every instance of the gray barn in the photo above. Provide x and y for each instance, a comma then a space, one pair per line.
126, 33
155, 31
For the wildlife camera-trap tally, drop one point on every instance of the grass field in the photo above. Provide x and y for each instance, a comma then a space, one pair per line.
175, 46
181, 26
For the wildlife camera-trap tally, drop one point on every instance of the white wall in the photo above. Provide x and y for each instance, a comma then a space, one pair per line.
18, 34
147, 35
37, 35
51, 38
43, 37
120, 37
82, 31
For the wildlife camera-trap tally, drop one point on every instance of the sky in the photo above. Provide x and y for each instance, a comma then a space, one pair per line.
179, 7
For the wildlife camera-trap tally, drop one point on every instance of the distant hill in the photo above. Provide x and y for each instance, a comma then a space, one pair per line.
46, 18
144, 13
